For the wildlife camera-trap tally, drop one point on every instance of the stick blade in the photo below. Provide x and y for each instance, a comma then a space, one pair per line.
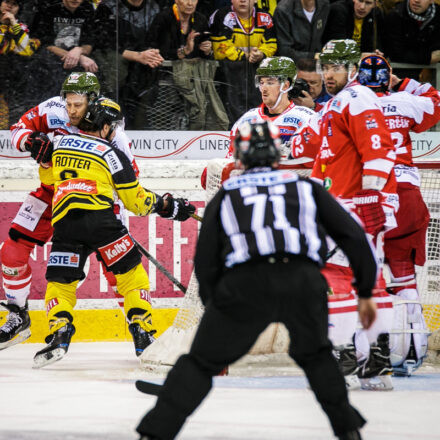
153, 389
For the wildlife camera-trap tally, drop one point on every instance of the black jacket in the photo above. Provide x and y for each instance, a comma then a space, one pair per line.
407, 42
296, 36
165, 34
228, 236
340, 25
55, 25
132, 26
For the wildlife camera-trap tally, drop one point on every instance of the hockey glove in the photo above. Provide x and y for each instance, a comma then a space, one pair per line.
369, 209
40, 147
177, 209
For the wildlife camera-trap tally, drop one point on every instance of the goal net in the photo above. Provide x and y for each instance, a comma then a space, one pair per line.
177, 339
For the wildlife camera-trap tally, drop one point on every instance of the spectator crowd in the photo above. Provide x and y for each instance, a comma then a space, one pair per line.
195, 58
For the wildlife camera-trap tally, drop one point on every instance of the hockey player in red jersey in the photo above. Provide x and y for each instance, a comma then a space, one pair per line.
415, 107
274, 77
355, 164
32, 224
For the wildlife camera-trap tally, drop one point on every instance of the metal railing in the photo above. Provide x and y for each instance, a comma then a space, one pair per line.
435, 67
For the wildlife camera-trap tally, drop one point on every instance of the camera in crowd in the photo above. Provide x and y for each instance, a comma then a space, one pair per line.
298, 88
204, 36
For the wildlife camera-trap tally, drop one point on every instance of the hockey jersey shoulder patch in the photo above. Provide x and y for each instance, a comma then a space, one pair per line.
113, 162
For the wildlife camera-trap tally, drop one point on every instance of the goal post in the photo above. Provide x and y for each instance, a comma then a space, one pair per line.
177, 339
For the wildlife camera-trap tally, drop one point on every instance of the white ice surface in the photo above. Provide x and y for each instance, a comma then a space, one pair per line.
90, 394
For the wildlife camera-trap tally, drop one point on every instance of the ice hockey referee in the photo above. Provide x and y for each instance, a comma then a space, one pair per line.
258, 258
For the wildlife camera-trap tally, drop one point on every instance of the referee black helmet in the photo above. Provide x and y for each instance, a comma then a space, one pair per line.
257, 145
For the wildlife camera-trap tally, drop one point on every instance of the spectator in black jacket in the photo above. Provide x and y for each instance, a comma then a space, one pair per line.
180, 32
123, 58
65, 29
299, 26
359, 20
413, 33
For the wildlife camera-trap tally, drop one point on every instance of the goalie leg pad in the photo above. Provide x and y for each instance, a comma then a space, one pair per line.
409, 330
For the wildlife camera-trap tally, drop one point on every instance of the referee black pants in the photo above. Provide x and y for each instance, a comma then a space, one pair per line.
247, 299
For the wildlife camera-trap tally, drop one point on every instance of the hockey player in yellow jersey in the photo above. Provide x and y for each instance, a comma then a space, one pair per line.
87, 172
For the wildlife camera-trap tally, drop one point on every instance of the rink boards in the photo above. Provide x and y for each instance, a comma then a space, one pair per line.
98, 317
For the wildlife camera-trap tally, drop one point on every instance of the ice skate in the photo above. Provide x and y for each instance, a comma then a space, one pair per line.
141, 331
346, 358
57, 343
16, 329
375, 373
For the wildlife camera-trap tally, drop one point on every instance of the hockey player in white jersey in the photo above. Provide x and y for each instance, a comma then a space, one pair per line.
274, 77
413, 107
31, 226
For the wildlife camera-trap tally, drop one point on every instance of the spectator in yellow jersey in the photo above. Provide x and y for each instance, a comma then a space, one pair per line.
241, 31
14, 36
242, 36
15, 43
88, 171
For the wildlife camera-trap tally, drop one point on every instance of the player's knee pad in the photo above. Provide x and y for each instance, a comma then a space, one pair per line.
343, 318
409, 336
66, 263
60, 298
17, 274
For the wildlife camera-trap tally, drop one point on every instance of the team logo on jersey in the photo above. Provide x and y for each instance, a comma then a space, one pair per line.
64, 259
370, 122
82, 186
327, 183
113, 252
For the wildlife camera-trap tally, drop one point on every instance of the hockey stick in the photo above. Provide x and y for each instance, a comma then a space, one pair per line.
197, 217
146, 254
148, 387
